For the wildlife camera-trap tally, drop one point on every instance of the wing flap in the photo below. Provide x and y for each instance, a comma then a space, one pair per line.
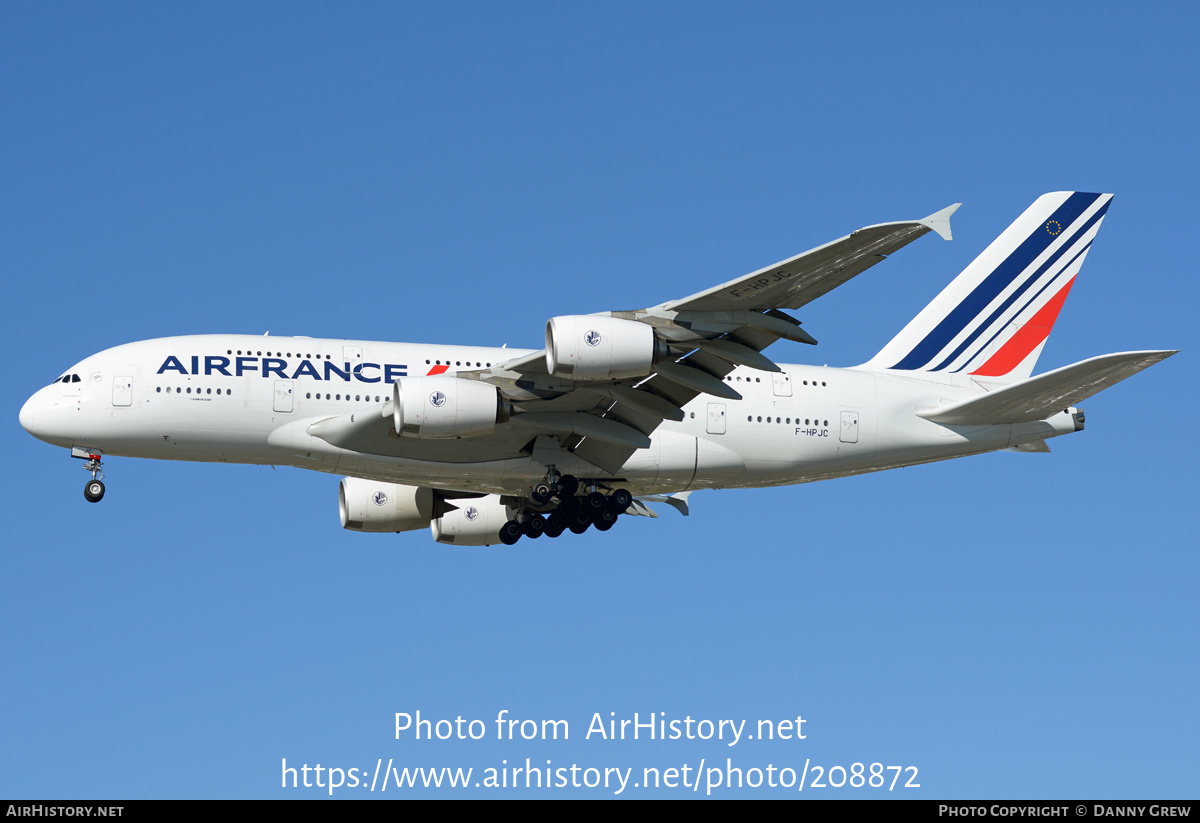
607, 456
1047, 394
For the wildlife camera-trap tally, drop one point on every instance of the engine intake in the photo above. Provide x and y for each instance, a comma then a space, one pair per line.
446, 407
593, 347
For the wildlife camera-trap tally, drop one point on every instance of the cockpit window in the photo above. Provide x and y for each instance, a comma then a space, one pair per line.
67, 378
75, 379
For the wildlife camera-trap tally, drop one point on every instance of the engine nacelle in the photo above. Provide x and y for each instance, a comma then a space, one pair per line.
370, 506
476, 522
445, 407
591, 347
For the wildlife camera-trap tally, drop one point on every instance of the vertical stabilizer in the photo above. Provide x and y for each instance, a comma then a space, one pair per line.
993, 319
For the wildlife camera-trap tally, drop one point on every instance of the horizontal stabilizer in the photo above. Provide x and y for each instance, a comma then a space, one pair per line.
1047, 394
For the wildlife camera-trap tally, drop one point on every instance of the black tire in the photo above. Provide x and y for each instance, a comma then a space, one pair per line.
620, 501
511, 532
594, 502
566, 486
535, 526
605, 519
556, 524
579, 523
541, 493
94, 491
569, 507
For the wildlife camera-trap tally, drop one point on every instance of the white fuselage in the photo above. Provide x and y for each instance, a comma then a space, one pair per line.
248, 399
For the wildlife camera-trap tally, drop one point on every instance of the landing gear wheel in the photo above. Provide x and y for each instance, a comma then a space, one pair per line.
94, 490
594, 502
620, 500
556, 524
579, 523
535, 526
566, 486
511, 532
605, 519
569, 507
541, 494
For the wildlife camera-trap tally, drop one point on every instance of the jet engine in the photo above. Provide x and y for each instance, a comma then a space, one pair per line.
593, 347
446, 407
476, 522
370, 506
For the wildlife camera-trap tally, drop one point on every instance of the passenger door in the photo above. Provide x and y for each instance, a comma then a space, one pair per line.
716, 418
849, 432
122, 390
284, 390
781, 384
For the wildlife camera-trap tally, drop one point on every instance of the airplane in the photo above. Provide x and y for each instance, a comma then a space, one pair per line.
621, 408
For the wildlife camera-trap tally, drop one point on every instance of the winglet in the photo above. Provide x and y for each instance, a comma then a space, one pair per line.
939, 221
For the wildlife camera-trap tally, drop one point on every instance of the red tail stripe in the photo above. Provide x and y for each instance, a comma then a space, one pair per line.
1027, 338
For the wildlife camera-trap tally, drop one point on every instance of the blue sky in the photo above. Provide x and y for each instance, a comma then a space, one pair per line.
1011, 625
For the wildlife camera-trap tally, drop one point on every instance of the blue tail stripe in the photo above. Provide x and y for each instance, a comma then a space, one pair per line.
993, 284
1012, 298
1028, 303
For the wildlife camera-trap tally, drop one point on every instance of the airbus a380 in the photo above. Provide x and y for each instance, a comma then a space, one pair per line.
621, 408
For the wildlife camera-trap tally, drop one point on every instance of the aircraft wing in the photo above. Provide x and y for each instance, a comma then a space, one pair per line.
711, 332
697, 342
799, 280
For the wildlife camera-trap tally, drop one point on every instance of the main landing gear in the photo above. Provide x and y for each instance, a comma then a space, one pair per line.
93, 490
573, 512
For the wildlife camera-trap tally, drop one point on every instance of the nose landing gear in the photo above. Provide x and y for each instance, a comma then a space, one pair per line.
93, 490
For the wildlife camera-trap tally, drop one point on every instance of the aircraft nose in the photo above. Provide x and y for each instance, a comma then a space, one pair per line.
29, 416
